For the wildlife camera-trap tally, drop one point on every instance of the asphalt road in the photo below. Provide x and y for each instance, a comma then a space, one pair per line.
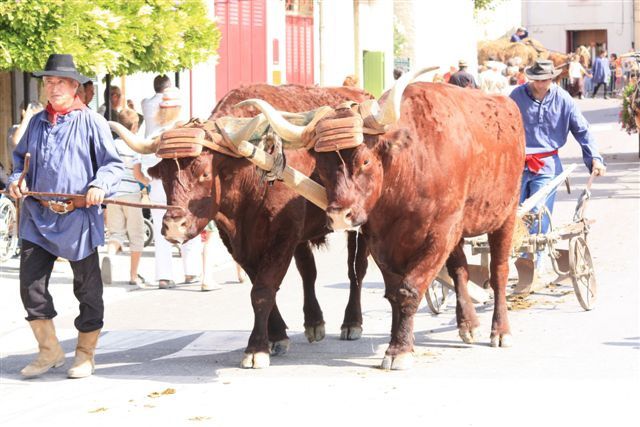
171, 357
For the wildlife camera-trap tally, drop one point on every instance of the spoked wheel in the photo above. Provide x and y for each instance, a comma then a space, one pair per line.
148, 232
582, 273
8, 230
437, 295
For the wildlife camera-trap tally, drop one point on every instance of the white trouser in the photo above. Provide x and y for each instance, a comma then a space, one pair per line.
191, 250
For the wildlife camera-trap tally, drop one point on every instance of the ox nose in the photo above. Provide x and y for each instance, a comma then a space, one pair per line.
340, 219
174, 229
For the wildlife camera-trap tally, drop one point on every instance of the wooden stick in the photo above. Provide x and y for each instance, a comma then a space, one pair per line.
296, 180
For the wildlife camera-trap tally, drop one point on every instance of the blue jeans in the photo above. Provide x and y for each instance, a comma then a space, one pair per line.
531, 184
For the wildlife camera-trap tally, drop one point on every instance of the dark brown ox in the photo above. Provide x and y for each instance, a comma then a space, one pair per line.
263, 226
448, 167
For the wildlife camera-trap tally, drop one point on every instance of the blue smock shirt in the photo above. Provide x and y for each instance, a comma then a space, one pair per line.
548, 123
61, 163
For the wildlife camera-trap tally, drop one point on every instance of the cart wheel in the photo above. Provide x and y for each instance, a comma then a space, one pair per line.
8, 230
582, 273
148, 232
437, 295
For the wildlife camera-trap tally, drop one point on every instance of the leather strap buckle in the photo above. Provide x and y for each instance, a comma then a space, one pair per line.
59, 207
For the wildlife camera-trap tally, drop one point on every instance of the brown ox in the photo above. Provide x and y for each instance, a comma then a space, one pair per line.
449, 167
263, 226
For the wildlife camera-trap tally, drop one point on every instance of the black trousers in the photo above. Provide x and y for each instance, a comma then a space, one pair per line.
597, 86
36, 265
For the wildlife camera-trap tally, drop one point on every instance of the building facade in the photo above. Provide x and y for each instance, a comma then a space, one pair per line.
565, 25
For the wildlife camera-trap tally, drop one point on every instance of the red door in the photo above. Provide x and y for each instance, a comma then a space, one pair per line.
300, 49
243, 48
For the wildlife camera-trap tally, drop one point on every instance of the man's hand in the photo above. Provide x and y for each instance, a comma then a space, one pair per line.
15, 191
597, 168
94, 196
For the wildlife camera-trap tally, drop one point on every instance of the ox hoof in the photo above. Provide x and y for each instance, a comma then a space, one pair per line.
504, 340
279, 348
351, 333
468, 336
400, 362
255, 361
314, 333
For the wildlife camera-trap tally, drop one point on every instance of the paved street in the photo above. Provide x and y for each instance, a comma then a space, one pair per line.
171, 357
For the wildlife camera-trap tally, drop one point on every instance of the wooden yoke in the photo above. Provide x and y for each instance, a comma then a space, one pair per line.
296, 180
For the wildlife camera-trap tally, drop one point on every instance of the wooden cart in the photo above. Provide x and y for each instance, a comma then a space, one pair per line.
573, 262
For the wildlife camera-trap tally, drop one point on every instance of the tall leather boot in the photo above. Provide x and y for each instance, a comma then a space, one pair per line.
83, 364
51, 354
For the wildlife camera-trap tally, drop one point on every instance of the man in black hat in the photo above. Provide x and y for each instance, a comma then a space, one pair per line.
549, 113
71, 152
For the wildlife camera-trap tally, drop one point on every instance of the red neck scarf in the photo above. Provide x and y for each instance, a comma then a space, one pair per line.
53, 114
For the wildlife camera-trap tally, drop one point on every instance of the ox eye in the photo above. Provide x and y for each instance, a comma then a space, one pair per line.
204, 177
366, 162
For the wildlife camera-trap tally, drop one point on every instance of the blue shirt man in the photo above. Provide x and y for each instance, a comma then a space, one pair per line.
549, 114
601, 73
520, 34
71, 152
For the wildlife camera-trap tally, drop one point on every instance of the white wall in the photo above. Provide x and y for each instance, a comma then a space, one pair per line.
276, 30
440, 33
549, 21
376, 33
333, 42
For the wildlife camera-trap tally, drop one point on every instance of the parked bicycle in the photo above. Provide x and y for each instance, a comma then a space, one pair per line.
8, 229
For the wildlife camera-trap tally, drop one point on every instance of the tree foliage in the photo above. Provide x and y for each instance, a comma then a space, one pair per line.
484, 4
107, 36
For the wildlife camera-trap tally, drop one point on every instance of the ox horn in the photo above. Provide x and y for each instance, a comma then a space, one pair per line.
286, 130
136, 143
390, 111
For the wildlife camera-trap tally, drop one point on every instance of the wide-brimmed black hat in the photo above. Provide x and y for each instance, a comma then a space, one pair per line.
543, 69
61, 65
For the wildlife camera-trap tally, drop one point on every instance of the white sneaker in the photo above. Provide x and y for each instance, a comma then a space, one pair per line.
205, 287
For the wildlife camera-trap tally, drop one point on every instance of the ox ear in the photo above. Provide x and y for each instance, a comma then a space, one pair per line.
154, 171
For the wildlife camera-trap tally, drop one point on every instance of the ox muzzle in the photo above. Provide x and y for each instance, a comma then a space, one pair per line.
342, 219
174, 229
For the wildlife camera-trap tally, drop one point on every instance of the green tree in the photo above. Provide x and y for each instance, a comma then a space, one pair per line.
107, 36
484, 4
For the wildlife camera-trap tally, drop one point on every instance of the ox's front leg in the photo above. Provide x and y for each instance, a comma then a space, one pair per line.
357, 264
404, 299
465, 311
263, 298
278, 339
313, 318
500, 247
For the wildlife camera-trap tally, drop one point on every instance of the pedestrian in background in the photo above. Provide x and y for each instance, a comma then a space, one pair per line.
115, 98
601, 73
151, 106
126, 222
576, 76
461, 77
549, 114
72, 152
520, 34
167, 117
89, 92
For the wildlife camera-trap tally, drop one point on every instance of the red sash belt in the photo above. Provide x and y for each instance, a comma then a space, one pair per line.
534, 161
